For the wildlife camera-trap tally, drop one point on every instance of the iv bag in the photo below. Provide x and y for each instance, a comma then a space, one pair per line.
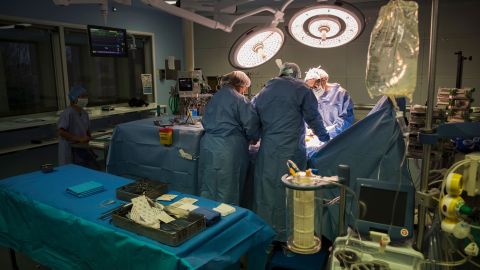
393, 51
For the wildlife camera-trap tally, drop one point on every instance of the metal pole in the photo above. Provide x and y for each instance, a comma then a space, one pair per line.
460, 58
344, 174
428, 124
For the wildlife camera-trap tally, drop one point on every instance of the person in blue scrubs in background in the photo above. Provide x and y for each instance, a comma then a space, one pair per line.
334, 103
74, 127
284, 105
230, 122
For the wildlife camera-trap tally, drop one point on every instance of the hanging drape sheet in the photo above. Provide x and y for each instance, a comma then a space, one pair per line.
373, 148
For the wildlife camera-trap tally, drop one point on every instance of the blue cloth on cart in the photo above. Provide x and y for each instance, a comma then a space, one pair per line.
41, 220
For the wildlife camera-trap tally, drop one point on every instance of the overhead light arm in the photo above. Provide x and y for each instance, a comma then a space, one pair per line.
15, 26
213, 24
185, 14
101, 2
228, 7
229, 4
285, 5
278, 15
70, 2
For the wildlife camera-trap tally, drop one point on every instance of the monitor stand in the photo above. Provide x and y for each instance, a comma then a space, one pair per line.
350, 250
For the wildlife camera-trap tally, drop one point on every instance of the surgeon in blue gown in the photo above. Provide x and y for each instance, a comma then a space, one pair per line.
334, 103
284, 105
230, 122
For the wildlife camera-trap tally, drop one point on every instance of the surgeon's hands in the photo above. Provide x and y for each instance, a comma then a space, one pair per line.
324, 137
82, 139
254, 146
330, 128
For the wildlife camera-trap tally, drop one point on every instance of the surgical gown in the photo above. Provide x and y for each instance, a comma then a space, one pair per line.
284, 105
336, 108
78, 124
229, 122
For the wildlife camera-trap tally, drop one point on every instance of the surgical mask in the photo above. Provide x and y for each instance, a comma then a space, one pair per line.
318, 91
82, 102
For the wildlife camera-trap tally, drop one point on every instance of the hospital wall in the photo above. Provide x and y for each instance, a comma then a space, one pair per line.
347, 64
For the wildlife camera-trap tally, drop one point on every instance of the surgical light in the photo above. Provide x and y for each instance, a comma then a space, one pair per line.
326, 26
255, 47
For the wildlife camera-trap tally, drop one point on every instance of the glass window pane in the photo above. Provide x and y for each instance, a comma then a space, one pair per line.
27, 77
108, 80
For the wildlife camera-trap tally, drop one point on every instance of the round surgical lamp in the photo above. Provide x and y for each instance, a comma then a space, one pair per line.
327, 26
255, 47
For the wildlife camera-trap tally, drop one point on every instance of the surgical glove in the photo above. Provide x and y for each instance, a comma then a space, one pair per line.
330, 128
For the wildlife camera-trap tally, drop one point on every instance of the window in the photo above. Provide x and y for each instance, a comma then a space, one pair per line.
27, 77
108, 80
33, 75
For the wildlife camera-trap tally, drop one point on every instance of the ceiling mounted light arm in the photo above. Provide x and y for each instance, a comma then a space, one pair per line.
198, 6
228, 6
225, 5
70, 2
15, 26
215, 24
185, 14
285, 5
276, 13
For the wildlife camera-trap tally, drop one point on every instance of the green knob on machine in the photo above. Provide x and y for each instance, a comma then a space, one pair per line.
465, 210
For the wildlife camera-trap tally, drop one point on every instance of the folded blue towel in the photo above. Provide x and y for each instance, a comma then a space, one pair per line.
211, 217
87, 193
86, 189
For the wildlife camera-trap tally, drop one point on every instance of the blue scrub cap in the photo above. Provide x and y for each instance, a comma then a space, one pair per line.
290, 69
75, 92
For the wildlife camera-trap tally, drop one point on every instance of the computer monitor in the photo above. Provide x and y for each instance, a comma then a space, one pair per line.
189, 83
185, 84
377, 199
107, 41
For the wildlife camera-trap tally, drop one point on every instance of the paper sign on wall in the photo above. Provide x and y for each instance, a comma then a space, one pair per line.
147, 84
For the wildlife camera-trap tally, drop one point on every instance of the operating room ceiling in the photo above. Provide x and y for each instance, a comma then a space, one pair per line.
247, 5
